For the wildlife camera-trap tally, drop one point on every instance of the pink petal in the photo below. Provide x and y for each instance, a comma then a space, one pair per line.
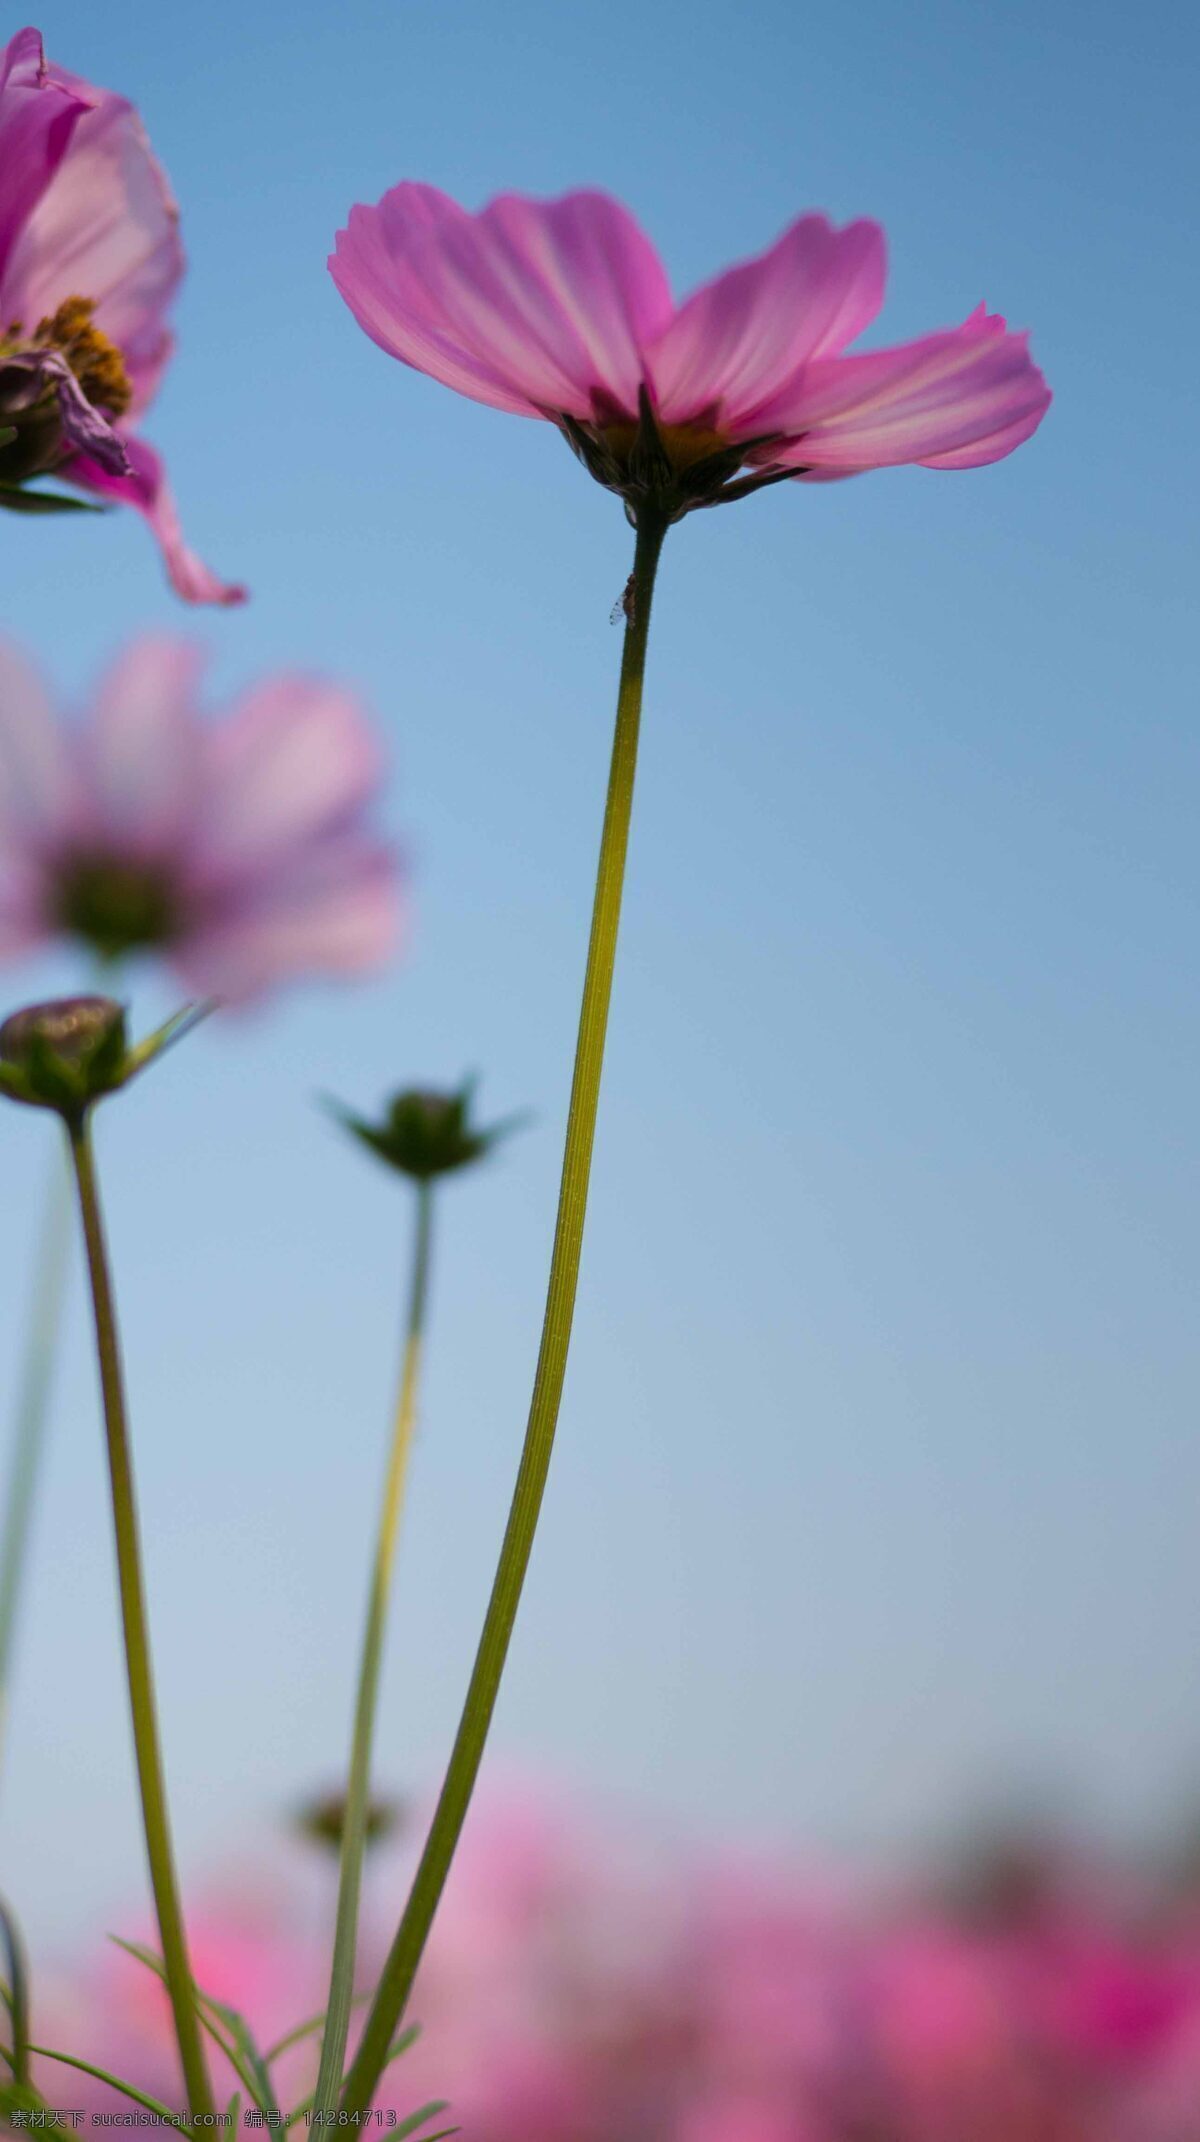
146, 488
295, 759
36, 788
530, 306
142, 751
337, 915
970, 393
25, 920
39, 111
106, 228
743, 338
994, 446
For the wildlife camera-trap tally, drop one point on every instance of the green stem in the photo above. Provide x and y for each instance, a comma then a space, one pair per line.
406, 1951
176, 1967
354, 1822
33, 1406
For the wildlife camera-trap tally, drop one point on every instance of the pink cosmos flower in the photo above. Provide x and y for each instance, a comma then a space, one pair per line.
562, 310
90, 260
239, 849
577, 1989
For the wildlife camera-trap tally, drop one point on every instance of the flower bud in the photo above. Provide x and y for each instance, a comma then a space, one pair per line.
63, 1054
324, 1819
425, 1133
71, 1052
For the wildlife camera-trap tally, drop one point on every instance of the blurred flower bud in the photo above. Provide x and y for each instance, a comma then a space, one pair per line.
71, 1052
324, 1819
424, 1133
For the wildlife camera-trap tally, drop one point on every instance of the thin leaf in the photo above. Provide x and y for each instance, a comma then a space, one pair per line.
18, 1995
418, 2119
308, 2030
401, 2044
243, 2037
18, 2101
151, 2104
209, 2014
233, 2112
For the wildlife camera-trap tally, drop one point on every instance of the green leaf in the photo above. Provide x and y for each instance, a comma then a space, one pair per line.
233, 2112
17, 1995
17, 2098
306, 2030
401, 2044
418, 2119
309, 2029
243, 2037
7, 434
211, 2014
18, 501
150, 2104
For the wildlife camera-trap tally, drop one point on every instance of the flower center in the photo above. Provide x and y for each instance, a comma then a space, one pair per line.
115, 906
666, 469
96, 362
683, 444
32, 390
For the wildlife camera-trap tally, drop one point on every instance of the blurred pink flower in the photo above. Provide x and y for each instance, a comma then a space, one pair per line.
119, 2017
90, 261
562, 310
239, 849
576, 1990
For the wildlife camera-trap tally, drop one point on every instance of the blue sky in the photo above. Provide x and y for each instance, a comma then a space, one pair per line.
877, 1492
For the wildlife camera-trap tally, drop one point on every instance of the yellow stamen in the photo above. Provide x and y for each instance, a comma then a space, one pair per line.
96, 361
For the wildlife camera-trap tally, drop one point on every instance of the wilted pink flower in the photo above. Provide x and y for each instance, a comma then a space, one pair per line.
562, 309
90, 260
239, 849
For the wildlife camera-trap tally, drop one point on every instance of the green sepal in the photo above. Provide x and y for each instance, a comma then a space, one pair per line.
16, 500
425, 1133
165, 1036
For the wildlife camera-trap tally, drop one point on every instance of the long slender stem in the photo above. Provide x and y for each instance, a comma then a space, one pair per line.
33, 1405
354, 1820
406, 1951
163, 1881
